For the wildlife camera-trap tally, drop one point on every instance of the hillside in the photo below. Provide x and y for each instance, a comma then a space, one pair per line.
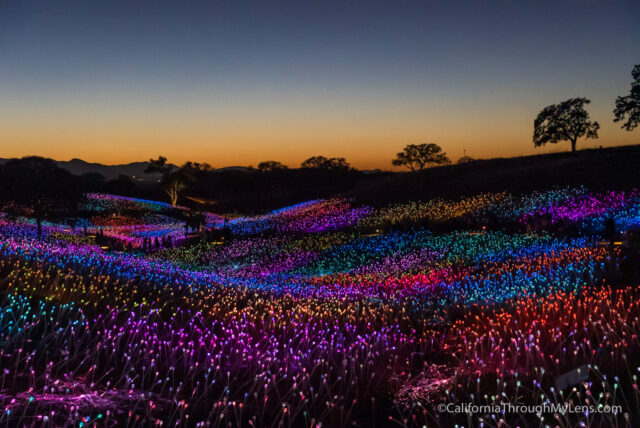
109, 172
597, 169
607, 168
238, 189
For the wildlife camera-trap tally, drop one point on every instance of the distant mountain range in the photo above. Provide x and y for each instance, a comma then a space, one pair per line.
133, 169
79, 167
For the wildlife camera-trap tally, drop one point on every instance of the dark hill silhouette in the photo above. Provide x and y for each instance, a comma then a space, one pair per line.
110, 172
248, 191
134, 169
597, 169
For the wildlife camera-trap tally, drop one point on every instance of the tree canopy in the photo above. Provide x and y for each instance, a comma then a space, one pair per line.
417, 157
174, 179
269, 166
196, 167
159, 165
321, 162
566, 121
628, 107
38, 187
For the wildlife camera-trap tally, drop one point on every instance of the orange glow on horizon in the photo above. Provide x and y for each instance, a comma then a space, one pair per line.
366, 143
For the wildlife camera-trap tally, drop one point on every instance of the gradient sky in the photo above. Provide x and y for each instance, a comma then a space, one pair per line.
236, 82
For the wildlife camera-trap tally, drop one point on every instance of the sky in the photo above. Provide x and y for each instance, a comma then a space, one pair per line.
237, 82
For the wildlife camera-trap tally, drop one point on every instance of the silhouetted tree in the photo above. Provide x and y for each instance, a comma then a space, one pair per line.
36, 187
268, 166
159, 166
196, 166
314, 162
629, 107
466, 159
173, 187
173, 180
567, 121
417, 157
323, 163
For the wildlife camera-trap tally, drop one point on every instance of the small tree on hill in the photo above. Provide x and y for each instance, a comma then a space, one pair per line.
196, 167
323, 163
269, 166
417, 157
466, 159
628, 107
566, 121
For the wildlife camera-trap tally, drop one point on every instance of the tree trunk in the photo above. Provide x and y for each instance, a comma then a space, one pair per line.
173, 189
573, 145
173, 196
